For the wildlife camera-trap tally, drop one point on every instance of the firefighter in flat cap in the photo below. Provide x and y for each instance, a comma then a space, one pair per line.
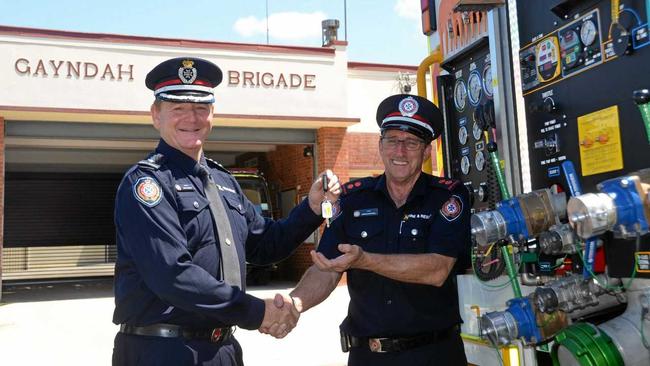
399, 237
184, 233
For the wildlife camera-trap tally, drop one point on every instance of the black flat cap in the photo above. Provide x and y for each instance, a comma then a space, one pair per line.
410, 113
184, 80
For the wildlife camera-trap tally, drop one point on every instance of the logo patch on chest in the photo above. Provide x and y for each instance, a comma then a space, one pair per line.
417, 216
147, 191
452, 209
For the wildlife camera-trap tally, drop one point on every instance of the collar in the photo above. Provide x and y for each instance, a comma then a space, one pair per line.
180, 159
419, 188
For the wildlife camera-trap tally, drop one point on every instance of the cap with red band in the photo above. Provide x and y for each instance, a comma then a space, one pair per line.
410, 113
184, 80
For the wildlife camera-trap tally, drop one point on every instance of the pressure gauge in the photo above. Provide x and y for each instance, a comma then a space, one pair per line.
488, 88
462, 135
482, 192
460, 95
475, 87
479, 160
588, 32
477, 131
465, 164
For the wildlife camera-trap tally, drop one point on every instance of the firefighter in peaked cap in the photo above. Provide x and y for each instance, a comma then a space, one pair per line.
184, 233
400, 238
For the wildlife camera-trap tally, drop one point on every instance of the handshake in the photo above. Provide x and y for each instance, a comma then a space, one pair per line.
280, 315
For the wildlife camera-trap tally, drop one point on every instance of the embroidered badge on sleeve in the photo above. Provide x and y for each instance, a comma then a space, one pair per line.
452, 209
147, 191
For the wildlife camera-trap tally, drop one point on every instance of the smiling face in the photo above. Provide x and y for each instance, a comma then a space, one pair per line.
401, 164
184, 126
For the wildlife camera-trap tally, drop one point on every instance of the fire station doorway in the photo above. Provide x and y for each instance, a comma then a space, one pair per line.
60, 183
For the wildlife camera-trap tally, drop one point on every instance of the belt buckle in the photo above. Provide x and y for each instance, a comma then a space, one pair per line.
375, 345
217, 335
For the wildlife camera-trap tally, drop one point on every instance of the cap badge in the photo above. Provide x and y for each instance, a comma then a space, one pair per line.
408, 107
452, 209
187, 73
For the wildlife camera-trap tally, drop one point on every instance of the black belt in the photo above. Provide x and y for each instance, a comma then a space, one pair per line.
387, 344
214, 335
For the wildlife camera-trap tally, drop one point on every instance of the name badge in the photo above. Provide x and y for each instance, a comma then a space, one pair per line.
184, 187
366, 212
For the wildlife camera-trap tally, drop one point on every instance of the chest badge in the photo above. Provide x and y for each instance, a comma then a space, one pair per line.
147, 191
366, 212
452, 209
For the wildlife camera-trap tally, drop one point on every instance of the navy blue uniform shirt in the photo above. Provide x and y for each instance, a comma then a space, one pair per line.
434, 219
168, 261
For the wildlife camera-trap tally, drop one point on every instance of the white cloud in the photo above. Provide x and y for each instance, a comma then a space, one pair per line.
409, 9
283, 26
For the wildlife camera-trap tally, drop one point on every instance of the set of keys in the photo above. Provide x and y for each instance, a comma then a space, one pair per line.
327, 211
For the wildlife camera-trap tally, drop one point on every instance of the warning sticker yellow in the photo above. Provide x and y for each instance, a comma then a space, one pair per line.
600, 141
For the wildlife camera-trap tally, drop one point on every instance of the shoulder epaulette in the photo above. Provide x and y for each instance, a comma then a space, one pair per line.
153, 162
358, 185
445, 183
214, 164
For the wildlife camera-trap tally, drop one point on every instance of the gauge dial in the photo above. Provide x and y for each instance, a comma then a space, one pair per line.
488, 88
460, 95
477, 132
465, 165
475, 87
482, 192
479, 161
588, 32
462, 135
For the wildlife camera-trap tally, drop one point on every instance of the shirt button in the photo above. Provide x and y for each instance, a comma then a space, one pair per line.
364, 234
414, 232
196, 204
227, 241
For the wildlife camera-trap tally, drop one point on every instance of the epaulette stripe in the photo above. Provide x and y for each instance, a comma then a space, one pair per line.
217, 165
355, 185
153, 161
448, 184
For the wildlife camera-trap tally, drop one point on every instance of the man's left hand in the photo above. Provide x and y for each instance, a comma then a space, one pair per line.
317, 194
352, 256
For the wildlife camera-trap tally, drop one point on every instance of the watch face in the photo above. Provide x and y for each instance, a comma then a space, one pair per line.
475, 87
462, 135
588, 32
488, 88
460, 95
465, 165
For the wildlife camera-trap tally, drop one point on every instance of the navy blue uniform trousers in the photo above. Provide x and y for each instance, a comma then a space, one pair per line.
135, 350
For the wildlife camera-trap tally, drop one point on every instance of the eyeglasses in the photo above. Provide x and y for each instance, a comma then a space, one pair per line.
409, 144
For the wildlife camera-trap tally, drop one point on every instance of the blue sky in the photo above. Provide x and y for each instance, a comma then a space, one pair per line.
379, 31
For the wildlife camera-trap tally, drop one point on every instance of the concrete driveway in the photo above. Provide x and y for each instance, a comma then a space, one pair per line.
70, 324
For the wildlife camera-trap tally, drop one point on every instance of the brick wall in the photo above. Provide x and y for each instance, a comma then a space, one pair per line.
289, 169
364, 150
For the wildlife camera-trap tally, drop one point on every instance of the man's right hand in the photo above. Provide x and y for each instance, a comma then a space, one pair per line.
280, 316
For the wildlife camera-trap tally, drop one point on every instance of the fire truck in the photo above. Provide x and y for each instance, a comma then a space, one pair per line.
547, 123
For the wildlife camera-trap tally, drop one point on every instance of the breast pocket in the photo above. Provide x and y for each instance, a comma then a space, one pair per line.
195, 218
366, 234
236, 215
414, 236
